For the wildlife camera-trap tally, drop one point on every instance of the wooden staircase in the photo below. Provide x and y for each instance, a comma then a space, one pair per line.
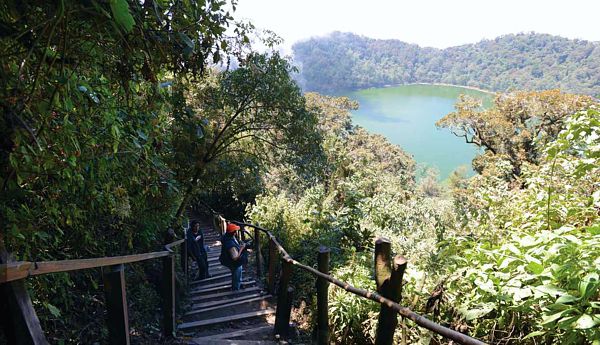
218, 315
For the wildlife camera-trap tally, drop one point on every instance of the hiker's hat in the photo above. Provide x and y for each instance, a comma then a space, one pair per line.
231, 228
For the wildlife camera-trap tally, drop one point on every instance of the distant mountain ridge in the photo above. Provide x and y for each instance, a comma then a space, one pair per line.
346, 61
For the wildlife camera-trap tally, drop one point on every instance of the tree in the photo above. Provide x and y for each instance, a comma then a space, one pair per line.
83, 124
517, 126
256, 111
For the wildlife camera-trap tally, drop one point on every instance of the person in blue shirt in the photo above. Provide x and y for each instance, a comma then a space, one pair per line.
233, 255
197, 250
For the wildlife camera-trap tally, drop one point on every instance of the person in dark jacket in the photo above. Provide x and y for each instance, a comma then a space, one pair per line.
197, 250
233, 255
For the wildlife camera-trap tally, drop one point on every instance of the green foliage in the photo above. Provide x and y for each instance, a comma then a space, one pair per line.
239, 124
516, 128
530, 61
120, 12
366, 189
89, 105
499, 259
531, 266
353, 319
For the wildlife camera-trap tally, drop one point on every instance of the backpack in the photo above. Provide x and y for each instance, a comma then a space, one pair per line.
225, 257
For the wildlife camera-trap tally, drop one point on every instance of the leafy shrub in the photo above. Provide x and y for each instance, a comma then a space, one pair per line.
539, 280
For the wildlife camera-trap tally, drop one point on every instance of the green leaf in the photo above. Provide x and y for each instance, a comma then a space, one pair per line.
53, 310
187, 40
534, 334
588, 285
535, 268
551, 318
120, 11
586, 321
594, 230
513, 249
142, 135
566, 299
550, 290
472, 314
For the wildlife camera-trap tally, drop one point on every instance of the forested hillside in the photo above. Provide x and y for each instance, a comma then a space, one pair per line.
117, 115
507, 256
522, 61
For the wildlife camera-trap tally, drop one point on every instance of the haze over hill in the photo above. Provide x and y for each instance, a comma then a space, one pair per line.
343, 61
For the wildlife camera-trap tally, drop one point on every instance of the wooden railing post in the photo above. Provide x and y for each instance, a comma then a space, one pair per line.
388, 277
168, 296
20, 322
259, 261
272, 266
322, 298
116, 304
284, 301
184, 258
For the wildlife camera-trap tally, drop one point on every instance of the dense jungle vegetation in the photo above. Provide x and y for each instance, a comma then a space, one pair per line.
117, 115
508, 256
114, 114
345, 61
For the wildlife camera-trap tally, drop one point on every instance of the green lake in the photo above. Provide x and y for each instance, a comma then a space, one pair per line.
407, 114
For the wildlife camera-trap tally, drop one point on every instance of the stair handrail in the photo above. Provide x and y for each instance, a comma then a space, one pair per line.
374, 296
12, 283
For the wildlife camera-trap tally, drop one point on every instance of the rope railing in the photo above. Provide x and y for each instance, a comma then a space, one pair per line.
374, 296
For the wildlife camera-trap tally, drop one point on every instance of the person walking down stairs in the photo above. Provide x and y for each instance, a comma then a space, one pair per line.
197, 250
233, 255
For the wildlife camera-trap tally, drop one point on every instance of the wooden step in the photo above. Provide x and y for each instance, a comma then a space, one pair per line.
211, 279
216, 272
230, 304
236, 317
237, 334
213, 272
231, 342
220, 295
219, 286
223, 301
222, 287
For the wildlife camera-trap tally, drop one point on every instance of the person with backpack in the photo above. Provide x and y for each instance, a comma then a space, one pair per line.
233, 255
197, 250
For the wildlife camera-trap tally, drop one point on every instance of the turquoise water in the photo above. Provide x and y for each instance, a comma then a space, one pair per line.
407, 114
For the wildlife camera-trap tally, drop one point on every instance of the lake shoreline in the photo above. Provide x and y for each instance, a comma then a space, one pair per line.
406, 116
441, 84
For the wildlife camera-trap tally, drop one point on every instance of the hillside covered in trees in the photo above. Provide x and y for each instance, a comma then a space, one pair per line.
531, 61
117, 116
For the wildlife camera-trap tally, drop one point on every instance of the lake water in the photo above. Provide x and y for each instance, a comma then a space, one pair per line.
407, 114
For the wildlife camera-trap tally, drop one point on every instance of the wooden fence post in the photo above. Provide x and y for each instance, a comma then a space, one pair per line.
116, 304
322, 298
388, 277
184, 258
272, 266
284, 300
19, 321
259, 261
168, 296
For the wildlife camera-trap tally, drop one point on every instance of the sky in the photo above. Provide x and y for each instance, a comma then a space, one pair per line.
431, 23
